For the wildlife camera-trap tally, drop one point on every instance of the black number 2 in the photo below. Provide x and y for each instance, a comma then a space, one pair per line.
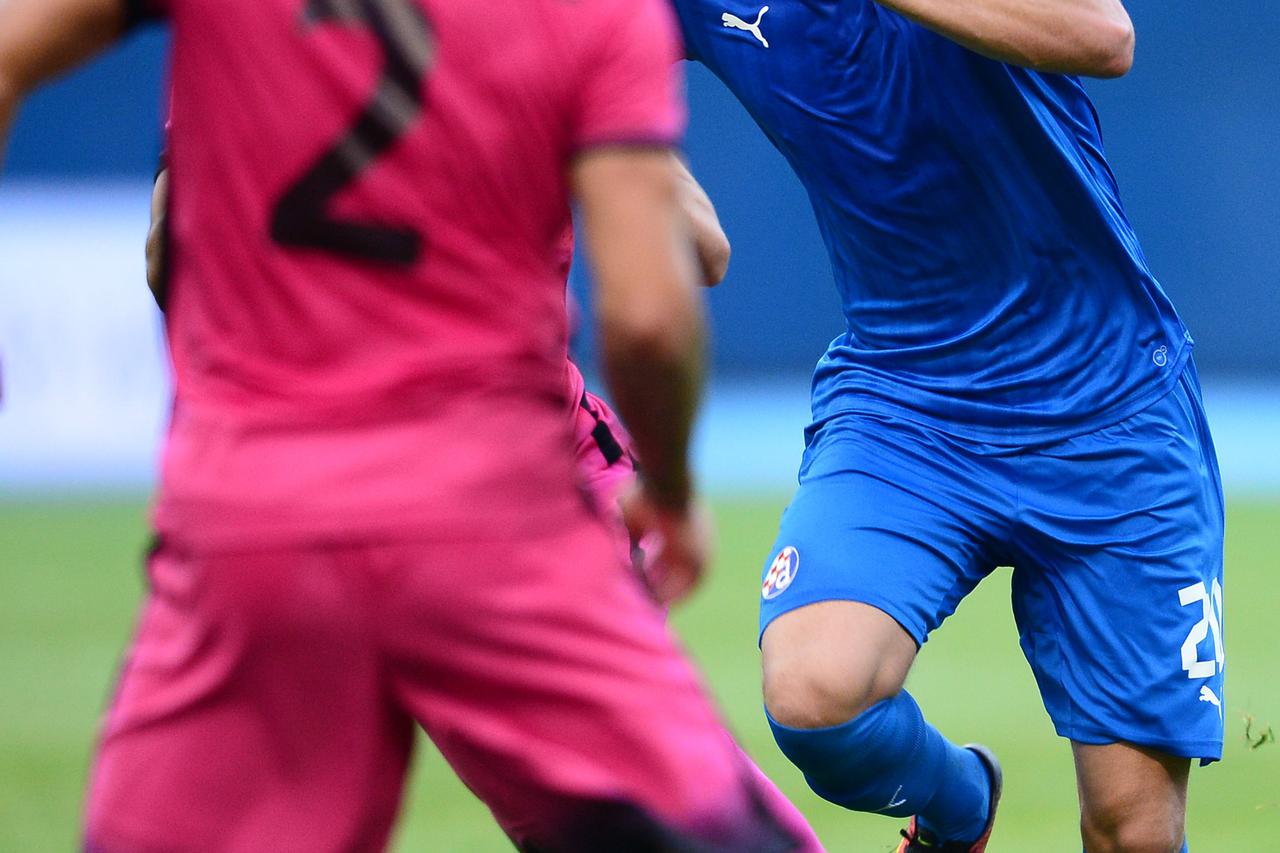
301, 218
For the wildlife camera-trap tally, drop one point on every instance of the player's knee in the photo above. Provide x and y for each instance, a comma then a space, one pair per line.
826, 663
1130, 827
806, 700
820, 694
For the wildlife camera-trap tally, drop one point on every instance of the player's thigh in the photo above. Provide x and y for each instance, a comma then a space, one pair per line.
891, 527
550, 683
1118, 585
1131, 798
249, 713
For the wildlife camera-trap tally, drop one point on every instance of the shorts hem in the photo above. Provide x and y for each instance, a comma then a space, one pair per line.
1207, 751
910, 625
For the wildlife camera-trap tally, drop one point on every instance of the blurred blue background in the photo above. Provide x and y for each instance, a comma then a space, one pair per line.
1191, 133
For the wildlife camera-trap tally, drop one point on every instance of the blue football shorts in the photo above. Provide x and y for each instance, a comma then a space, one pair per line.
1115, 539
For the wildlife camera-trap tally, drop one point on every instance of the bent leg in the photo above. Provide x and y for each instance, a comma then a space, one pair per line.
1132, 800
893, 524
551, 684
833, 691
784, 811
250, 714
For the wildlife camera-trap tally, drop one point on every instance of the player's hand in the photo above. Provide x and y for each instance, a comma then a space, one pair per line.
156, 237
677, 543
710, 243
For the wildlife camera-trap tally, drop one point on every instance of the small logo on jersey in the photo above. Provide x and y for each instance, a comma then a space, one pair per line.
781, 573
731, 20
1160, 356
894, 802
1207, 695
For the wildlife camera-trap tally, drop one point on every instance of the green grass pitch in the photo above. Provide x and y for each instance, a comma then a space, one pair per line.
69, 583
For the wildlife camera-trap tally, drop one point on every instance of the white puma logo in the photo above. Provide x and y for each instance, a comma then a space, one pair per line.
732, 20
894, 802
1207, 695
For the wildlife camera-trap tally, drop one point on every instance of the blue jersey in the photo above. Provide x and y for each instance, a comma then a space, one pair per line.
992, 285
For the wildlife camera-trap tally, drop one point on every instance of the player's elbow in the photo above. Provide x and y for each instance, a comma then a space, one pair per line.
1104, 46
1094, 45
1113, 48
650, 324
650, 337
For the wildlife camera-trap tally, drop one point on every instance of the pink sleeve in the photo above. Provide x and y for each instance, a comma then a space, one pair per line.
632, 85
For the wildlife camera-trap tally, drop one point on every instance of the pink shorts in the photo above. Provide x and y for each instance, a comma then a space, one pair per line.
606, 469
602, 447
270, 696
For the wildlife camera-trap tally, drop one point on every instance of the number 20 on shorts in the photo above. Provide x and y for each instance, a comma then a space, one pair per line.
1210, 624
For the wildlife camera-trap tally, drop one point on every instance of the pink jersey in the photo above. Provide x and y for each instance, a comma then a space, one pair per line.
369, 202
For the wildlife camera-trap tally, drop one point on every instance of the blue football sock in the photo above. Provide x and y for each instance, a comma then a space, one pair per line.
888, 760
950, 815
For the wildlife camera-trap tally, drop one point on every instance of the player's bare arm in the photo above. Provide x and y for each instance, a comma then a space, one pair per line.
8, 103
709, 239
40, 39
651, 330
1089, 37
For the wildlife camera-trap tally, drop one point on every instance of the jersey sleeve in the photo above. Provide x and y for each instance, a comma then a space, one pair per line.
631, 84
688, 32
